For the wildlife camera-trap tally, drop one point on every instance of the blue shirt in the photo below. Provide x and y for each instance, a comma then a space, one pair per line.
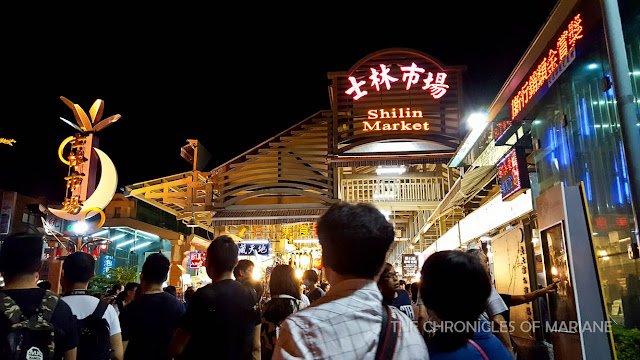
403, 303
488, 342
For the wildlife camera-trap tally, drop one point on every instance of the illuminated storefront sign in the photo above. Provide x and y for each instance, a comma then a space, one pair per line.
107, 263
512, 174
251, 248
397, 126
410, 76
500, 128
196, 259
565, 44
393, 113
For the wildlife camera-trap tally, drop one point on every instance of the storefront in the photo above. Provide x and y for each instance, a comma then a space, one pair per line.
559, 117
392, 127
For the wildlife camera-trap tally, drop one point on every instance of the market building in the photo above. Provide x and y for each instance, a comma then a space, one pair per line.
393, 125
550, 181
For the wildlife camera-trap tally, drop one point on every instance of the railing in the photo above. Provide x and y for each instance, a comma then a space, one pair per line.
392, 190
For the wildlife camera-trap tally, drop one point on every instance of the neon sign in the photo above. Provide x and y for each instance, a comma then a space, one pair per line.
397, 126
411, 75
400, 113
393, 114
512, 174
500, 128
565, 44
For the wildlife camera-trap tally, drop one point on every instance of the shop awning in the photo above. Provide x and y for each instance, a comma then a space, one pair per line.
464, 189
266, 217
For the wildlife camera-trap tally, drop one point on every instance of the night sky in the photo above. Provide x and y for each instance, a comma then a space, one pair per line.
231, 78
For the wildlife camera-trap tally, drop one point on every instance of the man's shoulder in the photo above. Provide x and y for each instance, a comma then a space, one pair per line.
224, 289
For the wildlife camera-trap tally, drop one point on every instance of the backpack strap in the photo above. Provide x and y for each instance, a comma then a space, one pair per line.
475, 345
48, 305
10, 309
100, 309
388, 334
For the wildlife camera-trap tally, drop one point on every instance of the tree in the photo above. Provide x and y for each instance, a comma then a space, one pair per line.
119, 275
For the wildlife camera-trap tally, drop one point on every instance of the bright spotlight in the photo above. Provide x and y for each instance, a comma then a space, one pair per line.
299, 273
80, 227
477, 120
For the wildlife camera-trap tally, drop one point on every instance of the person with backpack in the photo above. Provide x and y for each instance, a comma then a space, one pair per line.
34, 323
98, 325
351, 321
285, 300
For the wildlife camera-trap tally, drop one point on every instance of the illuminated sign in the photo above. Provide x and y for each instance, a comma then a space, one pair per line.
398, 126
251, 248
411, 75
196, 260
7, 141
564, 45
410, 265
107, 263
512, 174
400, 113
394, 114
500, 128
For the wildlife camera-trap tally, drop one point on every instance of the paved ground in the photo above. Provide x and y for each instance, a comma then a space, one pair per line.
530, 350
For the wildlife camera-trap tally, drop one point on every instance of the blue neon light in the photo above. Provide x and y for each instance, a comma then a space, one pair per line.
619, 187
587, 181
624, 161
585, 119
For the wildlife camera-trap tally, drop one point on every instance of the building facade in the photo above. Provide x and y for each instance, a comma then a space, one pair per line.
558, 123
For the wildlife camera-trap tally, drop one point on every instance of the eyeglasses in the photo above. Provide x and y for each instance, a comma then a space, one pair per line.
390, 276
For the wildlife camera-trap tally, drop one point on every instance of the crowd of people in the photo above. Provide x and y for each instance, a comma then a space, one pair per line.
364, 311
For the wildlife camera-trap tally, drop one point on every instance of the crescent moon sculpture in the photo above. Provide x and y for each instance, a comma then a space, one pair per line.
101, 196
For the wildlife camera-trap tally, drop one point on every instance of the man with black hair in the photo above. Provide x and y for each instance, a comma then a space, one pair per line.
222, 316
310, 278
77, 270
455, 289
351, 321
149, 322
243, 272
20, 261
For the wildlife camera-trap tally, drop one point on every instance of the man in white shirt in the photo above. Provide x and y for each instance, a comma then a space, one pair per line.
77, 270
347, 322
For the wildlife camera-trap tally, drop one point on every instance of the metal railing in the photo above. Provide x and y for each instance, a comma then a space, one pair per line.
392, 190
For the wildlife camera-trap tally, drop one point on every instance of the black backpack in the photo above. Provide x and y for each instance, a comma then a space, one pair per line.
29, 338
94, 338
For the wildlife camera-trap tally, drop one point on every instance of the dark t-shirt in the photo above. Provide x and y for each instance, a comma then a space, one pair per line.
221, 318
315, 294
507, 300
62, 319
148, 323
403, 302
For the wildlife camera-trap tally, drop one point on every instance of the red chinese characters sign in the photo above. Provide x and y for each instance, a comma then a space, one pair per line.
410, 76
196, 260
512, 174
565, 43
